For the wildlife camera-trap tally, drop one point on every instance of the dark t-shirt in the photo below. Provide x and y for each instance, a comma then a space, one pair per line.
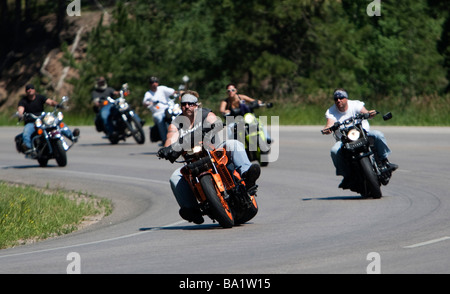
35, 106
192, 136
102, 94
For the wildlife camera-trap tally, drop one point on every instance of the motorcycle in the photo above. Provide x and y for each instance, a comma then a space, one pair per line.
172, 111
124, 120
249, 130
47, 141
221, 194
368, 173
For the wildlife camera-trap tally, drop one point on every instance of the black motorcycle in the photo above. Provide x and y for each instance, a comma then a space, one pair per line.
47, 141
124, 120
368, 173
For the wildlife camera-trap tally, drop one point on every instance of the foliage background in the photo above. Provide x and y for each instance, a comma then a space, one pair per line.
292, 52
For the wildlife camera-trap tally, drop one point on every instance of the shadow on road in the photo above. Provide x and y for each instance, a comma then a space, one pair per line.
337, 198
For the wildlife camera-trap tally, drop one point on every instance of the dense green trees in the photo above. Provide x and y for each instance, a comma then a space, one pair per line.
288, 49
298, 50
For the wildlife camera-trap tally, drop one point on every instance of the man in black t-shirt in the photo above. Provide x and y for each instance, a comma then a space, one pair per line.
98, 96
34, 103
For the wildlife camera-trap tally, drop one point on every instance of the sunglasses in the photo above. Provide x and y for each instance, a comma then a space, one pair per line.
339, 98
231, 90
188, 103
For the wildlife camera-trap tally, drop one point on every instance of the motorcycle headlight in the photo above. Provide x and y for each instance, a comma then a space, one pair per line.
195, 150
123, 105
38, 123
49, 119
353, 135
249, 118
60, 116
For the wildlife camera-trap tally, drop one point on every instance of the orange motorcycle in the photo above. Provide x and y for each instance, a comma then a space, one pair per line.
221, 194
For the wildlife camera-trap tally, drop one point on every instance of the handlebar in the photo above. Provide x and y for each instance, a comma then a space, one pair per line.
361, 116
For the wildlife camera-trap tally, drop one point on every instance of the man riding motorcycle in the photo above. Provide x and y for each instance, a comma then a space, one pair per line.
342, 110
156, 99
200, 123
100, 93
34, 103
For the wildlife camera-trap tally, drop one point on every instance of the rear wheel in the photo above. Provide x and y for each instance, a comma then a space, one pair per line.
371, 185
218, 207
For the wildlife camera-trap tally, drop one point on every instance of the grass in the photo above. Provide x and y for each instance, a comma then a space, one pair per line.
28, 214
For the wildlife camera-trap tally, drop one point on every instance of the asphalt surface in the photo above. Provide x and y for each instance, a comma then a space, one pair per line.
305, 223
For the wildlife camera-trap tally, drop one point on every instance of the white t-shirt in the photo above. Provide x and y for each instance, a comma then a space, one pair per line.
354, 107
159, 99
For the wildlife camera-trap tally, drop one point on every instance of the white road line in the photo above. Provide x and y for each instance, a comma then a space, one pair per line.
428, 242
94, 242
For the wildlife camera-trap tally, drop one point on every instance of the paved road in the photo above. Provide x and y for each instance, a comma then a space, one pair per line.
305, 224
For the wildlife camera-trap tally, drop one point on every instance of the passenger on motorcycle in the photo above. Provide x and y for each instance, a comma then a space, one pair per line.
342, 110
98, 95
34, 103
156, 99
235, 104
199, 123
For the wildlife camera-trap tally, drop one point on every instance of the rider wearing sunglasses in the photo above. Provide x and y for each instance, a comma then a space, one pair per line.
196, 122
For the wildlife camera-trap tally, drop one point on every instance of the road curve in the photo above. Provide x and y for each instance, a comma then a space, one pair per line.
305, 223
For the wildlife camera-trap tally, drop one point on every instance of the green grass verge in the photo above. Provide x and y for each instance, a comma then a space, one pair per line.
29, 214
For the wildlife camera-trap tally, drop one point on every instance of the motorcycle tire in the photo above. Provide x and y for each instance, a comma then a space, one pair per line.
372, 185
250, 213
137, 131
60, 153
43, 161
219, 208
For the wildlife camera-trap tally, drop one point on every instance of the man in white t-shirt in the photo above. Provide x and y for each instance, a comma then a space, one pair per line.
342, 110
156, 99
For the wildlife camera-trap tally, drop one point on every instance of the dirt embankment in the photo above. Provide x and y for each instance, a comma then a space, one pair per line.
42, 60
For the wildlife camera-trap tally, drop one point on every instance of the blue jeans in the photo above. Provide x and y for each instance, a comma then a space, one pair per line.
180, 187
28, 131
158, 118
342, 168
105, 112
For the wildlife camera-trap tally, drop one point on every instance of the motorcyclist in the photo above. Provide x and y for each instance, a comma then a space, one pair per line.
197, 122
342, 110
156, 99
236, 104
34, 103
98, 95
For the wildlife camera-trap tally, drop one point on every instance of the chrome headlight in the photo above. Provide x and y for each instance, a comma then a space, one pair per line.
353, 134
49, 119
60, 116
38, 122
123, 105
249, 118
195, 150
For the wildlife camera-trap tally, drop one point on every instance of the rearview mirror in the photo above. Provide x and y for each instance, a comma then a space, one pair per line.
387, 116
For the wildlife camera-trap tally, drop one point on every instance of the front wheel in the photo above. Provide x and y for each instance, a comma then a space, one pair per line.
371, 185
250, 212
218, 207
60, 153
137, 131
